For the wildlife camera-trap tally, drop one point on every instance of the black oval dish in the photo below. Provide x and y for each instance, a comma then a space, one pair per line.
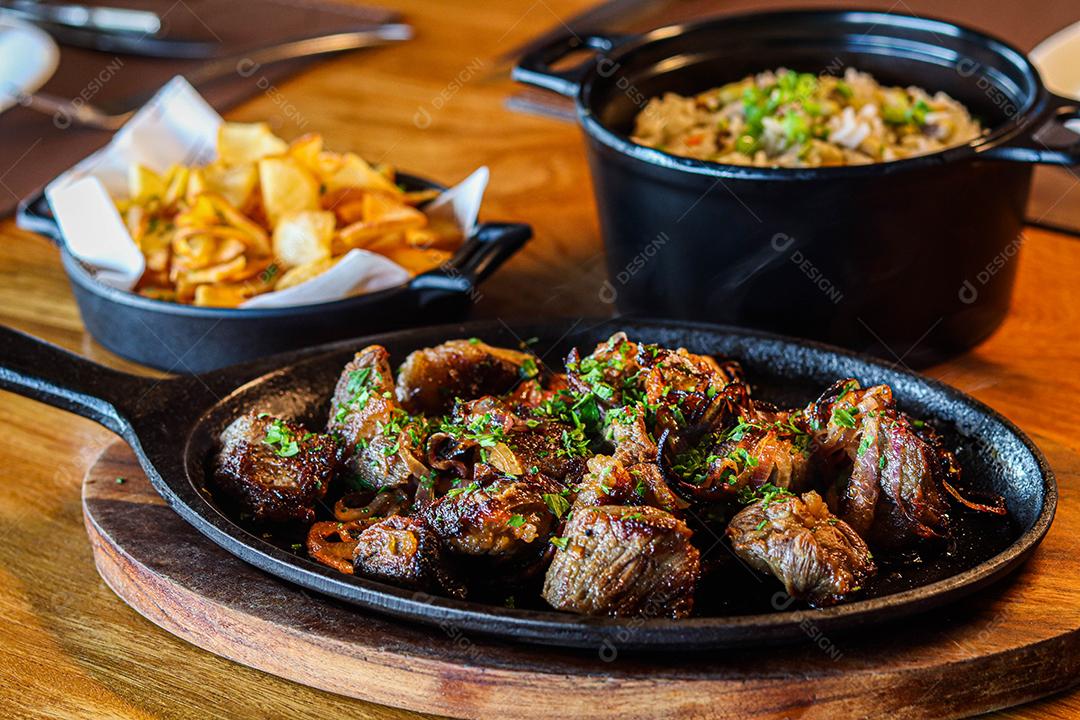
880, 257
172, 425
188, 339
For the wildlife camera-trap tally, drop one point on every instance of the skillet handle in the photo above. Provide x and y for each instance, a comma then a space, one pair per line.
1048, 141
490, 246
42, 371
33, 214
535, 67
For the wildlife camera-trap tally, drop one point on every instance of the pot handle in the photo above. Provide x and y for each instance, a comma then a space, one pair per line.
490, 246
42, 371
534, 68
1049, 141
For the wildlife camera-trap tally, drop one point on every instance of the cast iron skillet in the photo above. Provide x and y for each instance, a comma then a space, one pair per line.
188, 339
172, 424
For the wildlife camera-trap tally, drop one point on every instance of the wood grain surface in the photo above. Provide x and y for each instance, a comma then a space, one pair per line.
1011, 643
69, 648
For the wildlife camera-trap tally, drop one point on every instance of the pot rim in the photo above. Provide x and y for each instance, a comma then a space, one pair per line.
1033, 112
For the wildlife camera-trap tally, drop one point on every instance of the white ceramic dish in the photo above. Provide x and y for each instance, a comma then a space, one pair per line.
28, 58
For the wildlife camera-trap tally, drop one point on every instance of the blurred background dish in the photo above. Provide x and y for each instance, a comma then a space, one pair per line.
911, 254
1058, 60
28, 58
190, 339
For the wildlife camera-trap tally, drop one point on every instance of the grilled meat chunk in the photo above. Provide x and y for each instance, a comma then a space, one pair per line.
612, 372
627, 431
818, 557
624, 561
495, 515
489, 431
890, 484
610, 482
741, 458
430, 380
383, 444
690, 391
404, 551
274, 469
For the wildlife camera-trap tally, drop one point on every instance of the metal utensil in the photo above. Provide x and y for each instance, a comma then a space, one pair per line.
112, 115
97, 18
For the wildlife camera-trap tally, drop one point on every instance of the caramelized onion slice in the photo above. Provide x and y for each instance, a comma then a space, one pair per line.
332, 543
367, 505
998, 508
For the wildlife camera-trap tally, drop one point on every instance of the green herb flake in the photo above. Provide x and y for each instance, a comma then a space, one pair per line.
844, 417
529, 369
281, 439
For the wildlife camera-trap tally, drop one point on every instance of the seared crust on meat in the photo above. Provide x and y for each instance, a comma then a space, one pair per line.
624, 561
893, 495
404, 551
430, 380
817, 556
610, 482
495, 515
273, 469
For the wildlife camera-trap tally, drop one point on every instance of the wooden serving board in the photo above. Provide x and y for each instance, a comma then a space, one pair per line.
1015, 642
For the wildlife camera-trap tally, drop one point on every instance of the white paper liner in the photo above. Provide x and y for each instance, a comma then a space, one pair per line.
177, 126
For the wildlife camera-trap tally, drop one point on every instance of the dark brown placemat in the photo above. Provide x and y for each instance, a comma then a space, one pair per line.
1055, 197
34, 148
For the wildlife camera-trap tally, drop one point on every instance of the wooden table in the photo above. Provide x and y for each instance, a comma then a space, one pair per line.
70, 648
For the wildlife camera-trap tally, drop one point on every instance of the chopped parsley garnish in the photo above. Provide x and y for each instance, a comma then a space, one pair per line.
844, 416
528, 368
864, 444
738, 432
281, 439
695, 464
767, 494
357, 392
485, 430
516, 521
742, 455
559, 542
470, 488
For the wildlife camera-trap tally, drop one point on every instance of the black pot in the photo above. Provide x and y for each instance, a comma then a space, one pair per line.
911, 260
188, 339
